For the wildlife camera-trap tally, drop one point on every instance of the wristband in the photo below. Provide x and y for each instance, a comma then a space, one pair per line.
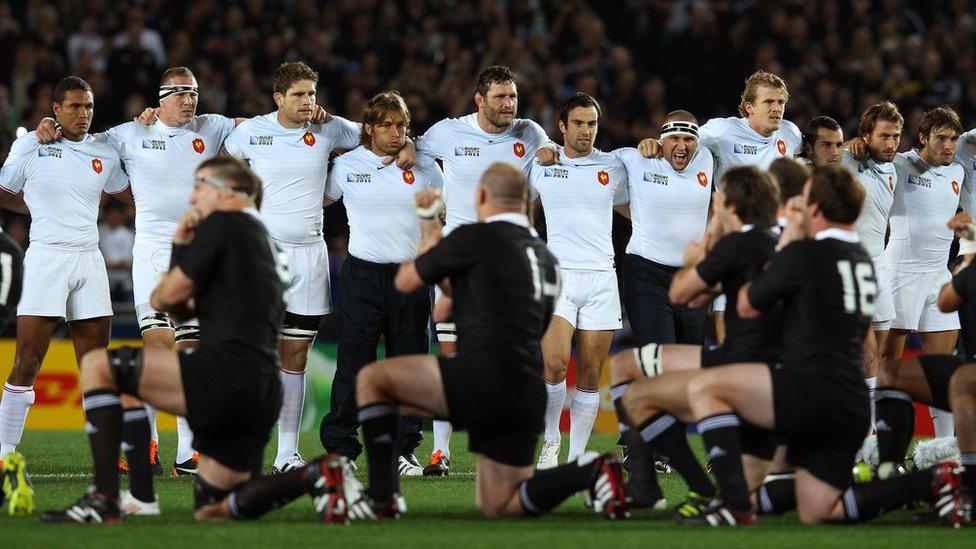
58, 127
430, 212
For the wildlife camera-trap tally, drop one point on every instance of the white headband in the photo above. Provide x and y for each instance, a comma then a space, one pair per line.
673, 128
166, 91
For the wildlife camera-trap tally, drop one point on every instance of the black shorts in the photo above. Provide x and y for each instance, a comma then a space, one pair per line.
502, 407
823, 422
756, 441
938, 371
232, 401
719, 355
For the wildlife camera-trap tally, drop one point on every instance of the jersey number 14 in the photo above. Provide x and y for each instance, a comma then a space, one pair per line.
859, 287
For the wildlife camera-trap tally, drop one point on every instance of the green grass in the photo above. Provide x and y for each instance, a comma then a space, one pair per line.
441, 515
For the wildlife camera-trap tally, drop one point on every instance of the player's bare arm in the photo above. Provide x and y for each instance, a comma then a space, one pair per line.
428, 204
13, 201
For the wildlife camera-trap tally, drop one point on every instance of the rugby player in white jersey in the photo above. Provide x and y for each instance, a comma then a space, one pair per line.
579, 197
290, 154
466, 146
879, 130
930, 188
64, 272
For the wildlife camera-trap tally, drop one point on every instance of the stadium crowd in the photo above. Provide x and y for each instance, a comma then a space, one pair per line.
640, 58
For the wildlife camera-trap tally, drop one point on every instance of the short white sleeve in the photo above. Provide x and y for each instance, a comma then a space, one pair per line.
236, 144
13, 174
711, 132
622, 194
117, 181
333, 186
345, 132
222, 125
434, 140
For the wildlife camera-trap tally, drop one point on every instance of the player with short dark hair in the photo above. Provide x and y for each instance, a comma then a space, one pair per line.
227, 272
503, 282
649, 382
816, 398
62, 183
823, 141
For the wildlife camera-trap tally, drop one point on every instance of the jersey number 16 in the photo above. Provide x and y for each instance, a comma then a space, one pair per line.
859, 287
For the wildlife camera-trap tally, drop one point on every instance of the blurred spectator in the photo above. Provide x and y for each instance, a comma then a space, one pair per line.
115, 240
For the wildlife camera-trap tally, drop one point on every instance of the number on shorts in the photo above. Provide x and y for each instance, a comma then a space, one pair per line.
859, 287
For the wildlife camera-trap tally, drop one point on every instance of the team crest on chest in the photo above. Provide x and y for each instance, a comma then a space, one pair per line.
603, 177
519, 149
955, 186
97, 166
199, 146
781, 146
309, 139
702, 179
408, 177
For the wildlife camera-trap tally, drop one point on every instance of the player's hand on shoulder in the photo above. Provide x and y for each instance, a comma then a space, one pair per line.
547, 156
48, 131
857, 148
650, 148
962, 225
320, 115
187, 228
147, 118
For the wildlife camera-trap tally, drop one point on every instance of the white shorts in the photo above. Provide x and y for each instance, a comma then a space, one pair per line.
65, 282
149, 263
884, 305
916, 297
589, 300
308, 265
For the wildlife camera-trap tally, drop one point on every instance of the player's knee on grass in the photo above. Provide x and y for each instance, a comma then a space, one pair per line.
206, 495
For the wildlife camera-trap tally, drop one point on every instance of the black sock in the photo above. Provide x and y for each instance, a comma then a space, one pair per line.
968, 461
103, 412
895, 423
643, 486
381, 428
720, 433
864, 502
673, 442
550, 487
623, 422
136, 436
266, 493
777, 496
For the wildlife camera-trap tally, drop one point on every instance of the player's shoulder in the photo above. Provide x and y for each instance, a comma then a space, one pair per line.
25, 143
335, 125
101, 147
607, 159
210, 120
791, 130
719, 125
627, 154
526, 128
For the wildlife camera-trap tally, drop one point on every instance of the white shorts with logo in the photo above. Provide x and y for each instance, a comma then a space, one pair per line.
65, 282
884, 305
589, 300
308, 265
150, 262
916, 297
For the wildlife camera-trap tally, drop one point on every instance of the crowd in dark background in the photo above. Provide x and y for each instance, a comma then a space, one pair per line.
641, 58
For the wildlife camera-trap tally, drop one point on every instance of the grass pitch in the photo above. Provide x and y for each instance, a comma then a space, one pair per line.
441, 514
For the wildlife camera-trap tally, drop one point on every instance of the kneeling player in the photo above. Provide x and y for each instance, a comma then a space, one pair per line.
503, 282
816, 399
225, 270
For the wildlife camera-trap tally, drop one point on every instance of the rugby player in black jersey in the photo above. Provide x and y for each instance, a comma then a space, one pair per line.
503, 282
816, 399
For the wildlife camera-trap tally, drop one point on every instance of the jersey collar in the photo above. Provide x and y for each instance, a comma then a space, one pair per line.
514, 218
839, 234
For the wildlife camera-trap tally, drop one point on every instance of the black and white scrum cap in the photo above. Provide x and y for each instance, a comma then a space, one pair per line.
679, 128
166, 91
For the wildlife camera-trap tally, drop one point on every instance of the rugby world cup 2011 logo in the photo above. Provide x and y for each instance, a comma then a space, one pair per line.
702, 179
603, 177
408, 177
309, 139
199, 146
955, 186
781, 146
97, 165
519, 149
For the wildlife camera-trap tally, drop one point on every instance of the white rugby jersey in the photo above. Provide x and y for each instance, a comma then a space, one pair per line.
293, 164
383, 226
466, 151
733, 143
161, 162
879, 181
578, 197
966, 156
63, 183
668, 208
926, 197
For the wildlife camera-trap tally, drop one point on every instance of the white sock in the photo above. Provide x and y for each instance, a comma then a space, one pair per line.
582, 414
943, 422
290, 419
153, 433
184, 440
13, 414
872, 383
442, 437
554, 408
